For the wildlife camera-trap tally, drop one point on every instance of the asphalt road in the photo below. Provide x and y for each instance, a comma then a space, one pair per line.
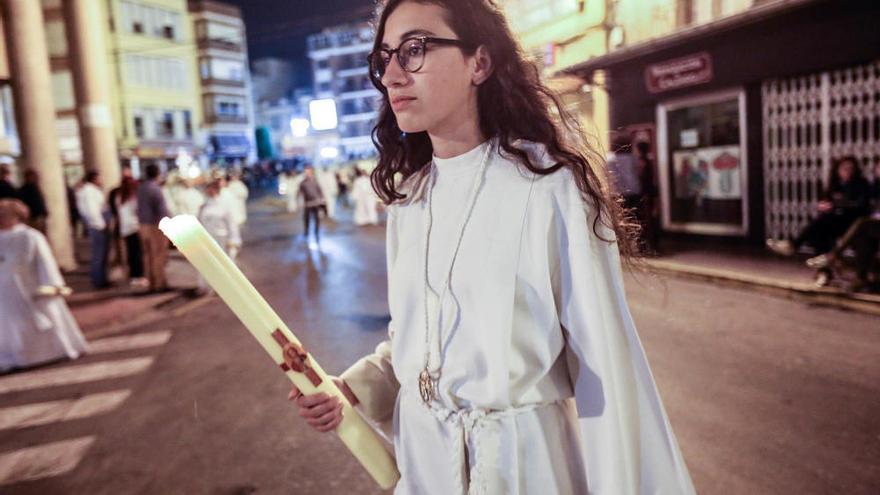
766, 395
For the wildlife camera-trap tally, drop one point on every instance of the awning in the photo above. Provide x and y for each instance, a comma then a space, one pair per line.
751, 16
231, 145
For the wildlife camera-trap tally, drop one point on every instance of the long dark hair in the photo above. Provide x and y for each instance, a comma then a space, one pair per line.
513, 104
835, 184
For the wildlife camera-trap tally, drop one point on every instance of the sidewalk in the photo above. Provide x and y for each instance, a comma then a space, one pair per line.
756, 268
121, 306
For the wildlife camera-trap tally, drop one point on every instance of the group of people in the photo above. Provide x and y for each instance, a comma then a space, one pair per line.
318, 192
29, 193
631, 171
128, 218
848, 218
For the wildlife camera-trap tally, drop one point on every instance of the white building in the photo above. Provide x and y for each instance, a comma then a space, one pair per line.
225, 81
341, 72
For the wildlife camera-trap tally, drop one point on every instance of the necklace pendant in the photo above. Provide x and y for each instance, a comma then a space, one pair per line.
426, 386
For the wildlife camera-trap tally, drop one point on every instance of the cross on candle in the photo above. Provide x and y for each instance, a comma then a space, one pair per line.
295, 358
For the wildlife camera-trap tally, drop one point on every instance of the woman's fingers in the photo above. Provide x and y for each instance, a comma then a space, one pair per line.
294, 393
318, 409
326, 418
332, 424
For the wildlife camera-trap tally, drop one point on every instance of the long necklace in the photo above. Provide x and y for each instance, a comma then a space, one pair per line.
430, 375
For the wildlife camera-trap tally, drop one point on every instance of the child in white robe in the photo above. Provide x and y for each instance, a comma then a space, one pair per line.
36, 326
512, 363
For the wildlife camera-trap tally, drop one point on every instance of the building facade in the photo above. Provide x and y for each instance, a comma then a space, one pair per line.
225, 81
746, 106
158, 110
341, 73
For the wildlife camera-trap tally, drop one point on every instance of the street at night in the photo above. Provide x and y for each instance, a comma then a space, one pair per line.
766, 395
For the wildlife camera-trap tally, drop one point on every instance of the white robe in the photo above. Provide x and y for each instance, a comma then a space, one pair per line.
545, 388
327, 182
237, 193
33, 329
364, 202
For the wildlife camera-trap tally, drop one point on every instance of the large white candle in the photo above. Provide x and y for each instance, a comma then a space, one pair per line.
239, 294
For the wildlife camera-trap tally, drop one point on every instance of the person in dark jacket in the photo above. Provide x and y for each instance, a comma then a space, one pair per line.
864, 239
313, 200
31, 195
846, 200
7, 190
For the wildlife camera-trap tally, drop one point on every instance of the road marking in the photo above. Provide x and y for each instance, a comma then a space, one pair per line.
69, 375
55, 411
45, 461
129, 342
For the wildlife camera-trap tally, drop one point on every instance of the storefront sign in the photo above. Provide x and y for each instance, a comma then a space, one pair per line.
679, 73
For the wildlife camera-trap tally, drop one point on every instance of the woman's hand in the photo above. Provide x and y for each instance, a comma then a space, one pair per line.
321, 411
825, 206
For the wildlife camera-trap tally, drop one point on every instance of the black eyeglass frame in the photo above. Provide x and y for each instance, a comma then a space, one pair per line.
423, 40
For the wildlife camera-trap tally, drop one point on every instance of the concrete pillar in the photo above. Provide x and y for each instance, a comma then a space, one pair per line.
35, 115
85, 26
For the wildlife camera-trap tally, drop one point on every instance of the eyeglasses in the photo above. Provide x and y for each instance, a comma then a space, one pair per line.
410, 55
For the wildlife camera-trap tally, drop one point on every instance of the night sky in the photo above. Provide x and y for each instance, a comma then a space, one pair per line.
278, 28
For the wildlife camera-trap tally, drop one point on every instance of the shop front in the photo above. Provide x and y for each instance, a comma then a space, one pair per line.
745, 115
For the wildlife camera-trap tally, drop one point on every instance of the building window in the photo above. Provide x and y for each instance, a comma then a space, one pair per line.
148, 20
165, 125
139, 126
187, 123
702, 164
156, 72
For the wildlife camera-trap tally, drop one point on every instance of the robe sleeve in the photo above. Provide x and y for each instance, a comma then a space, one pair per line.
372, 378
46, 268
628, 444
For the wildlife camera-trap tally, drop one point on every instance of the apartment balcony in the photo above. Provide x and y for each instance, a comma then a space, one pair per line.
214, 118
220, 44
227, 83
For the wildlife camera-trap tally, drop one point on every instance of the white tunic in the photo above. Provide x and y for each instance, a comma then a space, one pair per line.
364, 202
33, 329
545, 388
237, 193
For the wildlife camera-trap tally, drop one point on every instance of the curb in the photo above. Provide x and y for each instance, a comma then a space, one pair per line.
173, 306
826, 296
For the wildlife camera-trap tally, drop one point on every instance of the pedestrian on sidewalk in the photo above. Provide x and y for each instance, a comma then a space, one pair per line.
129, 230
313, 201
512, 363
218, 219
151, 208
846, 199
92, 206
31, 195
36, 326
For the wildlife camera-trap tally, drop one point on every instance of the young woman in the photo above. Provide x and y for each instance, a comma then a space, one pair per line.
512, 364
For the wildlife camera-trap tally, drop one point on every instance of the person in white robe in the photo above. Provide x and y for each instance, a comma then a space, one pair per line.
238, 195
364, 198
189, 198
217, 217
512, 364
327, 181
36, 326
